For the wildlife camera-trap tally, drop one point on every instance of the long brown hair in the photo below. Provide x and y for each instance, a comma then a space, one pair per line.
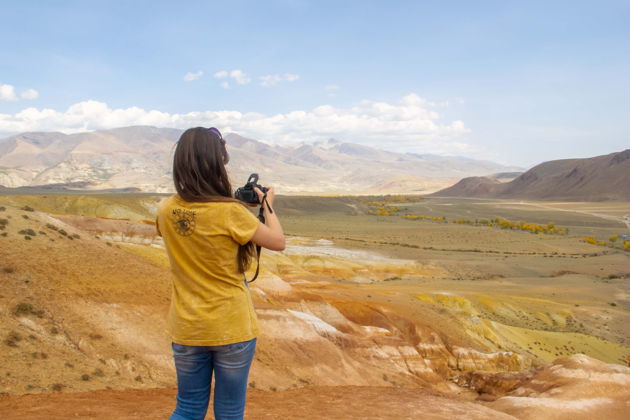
200, 176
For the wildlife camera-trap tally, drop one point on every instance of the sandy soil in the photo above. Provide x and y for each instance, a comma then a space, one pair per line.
334, 402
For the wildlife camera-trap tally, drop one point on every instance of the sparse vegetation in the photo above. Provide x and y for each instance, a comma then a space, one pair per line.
27, 208
549, 228
12, 339
85, 377
52, 227
28, 232
625, 245
8, 270
24, 308
58, 387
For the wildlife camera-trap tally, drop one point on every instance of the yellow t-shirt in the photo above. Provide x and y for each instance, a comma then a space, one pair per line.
211, 304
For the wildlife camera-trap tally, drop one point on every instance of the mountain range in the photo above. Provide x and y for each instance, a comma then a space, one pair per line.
600, 178
140, 157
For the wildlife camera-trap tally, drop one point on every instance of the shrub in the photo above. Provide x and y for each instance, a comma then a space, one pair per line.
58, 387
24, 216
98, 372
29, 232
27, 208
8, 270
63, 232
2, 208
24, 308
85, 377
52, 227
12, 339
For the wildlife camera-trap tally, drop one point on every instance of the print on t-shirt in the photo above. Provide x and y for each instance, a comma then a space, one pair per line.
183, 221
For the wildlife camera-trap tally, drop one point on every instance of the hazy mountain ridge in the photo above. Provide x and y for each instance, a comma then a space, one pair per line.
600, 178
140, 157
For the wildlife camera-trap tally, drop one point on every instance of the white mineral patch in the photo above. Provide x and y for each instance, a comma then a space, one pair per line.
326, 248
578, 404
619, 378
374, 330
319, 325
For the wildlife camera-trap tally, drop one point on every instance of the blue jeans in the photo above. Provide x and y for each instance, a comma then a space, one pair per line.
195, 365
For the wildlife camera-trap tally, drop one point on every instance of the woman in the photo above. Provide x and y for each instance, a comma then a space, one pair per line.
210, 239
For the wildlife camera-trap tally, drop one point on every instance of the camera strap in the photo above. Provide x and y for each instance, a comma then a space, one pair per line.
261, 217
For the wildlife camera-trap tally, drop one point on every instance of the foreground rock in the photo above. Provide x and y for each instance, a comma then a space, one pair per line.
572, 388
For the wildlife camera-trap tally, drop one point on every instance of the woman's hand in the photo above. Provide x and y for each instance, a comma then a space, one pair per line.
269, 235
271, 196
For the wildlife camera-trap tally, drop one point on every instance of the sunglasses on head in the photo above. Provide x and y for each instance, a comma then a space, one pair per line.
217, 132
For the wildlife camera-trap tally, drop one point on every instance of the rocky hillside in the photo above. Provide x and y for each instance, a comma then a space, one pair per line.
599, 178
140, 158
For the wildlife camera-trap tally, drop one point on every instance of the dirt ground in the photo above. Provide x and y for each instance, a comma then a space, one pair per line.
334, 402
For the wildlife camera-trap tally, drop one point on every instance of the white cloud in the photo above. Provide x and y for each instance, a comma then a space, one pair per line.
410, 124
238, 75
7, 93
30, 94
189, 77
272, 79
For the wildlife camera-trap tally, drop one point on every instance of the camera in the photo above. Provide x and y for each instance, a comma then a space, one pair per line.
246, 193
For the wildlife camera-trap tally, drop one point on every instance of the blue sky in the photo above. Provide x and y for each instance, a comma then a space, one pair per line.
511, 81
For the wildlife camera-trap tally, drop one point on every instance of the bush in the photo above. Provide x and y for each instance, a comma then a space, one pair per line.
29, 232
8, 270
58, 387
24, 308
52, 227
12, 339
2, 208
27, 208
85, 377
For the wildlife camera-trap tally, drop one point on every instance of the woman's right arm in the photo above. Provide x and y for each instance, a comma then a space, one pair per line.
269, 235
